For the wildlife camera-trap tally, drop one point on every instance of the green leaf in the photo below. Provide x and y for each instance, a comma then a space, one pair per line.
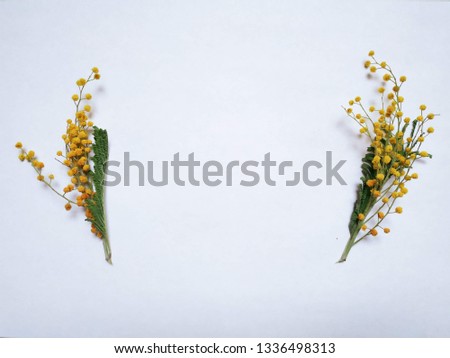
413, 128
364, 195
96, 204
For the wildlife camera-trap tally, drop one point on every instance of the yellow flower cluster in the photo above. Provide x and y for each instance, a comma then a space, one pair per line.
30, 157
75, 157
395, 145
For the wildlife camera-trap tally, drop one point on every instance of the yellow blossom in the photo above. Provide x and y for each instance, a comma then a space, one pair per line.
81, 82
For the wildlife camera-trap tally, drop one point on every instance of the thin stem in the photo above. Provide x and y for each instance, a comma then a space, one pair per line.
349, 246
351, 241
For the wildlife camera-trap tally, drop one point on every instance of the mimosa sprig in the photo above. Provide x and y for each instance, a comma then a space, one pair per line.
85, 189
395, 145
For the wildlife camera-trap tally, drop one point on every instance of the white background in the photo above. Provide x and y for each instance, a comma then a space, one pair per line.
227, 80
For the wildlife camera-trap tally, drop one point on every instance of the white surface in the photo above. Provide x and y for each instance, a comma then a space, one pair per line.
226, 80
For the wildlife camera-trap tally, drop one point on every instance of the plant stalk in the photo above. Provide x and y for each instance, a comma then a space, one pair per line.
107, 249
354, 235
349, 245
